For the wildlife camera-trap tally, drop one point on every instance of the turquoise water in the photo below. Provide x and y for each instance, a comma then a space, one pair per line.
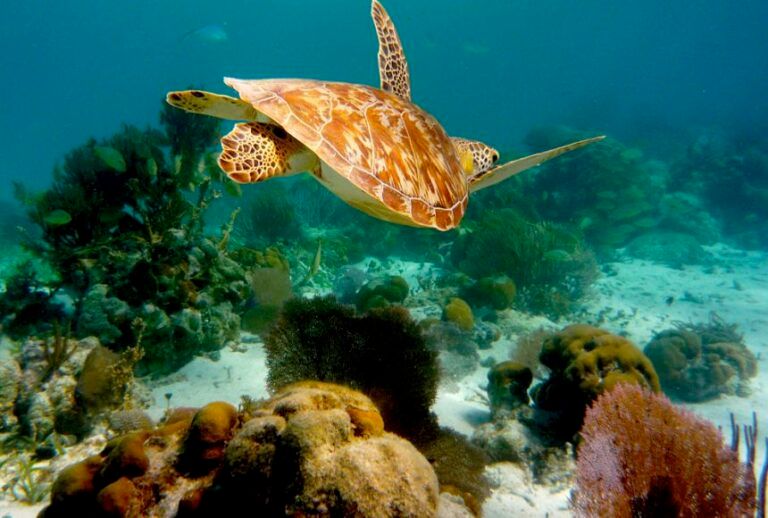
139, 283
488, 70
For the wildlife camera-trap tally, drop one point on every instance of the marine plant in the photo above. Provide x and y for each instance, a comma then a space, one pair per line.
124, 235
381, 353
671, 463
551, 267
269, 216
584, 362
459, 466
57, 350
30, 483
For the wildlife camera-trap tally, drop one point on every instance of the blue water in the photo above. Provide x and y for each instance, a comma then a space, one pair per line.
487, 69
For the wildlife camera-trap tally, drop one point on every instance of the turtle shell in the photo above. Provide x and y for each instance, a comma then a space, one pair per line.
384, 145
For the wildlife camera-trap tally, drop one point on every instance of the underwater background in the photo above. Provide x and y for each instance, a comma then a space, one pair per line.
156, 316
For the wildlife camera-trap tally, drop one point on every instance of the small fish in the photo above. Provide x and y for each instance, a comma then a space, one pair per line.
111, 157
315, 266
57, 218
669, 300
214, 33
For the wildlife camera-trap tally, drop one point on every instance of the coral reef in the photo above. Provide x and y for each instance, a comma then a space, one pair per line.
729, 173
508, 439
313, 449
584, 361
381, 353
459, 466
671, 463
126, 243
550, 266
46, 404
26, 305
697, 362
611, 192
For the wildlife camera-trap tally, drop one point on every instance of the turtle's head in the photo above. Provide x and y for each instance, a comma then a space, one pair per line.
475, 157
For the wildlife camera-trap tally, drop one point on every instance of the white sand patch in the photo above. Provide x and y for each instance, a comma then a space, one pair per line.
236, 373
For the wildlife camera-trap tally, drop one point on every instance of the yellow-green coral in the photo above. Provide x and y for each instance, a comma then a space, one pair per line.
584, 362
459, 312
595, 360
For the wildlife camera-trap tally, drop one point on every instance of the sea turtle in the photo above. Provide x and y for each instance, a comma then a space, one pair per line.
372, 147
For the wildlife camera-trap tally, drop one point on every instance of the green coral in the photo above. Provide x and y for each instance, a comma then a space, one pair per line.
381, 353
508, 384
495, 292
584, 362
392, 289
459, 312
550, 265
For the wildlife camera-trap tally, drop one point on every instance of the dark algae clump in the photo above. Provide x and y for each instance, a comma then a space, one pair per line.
381, 353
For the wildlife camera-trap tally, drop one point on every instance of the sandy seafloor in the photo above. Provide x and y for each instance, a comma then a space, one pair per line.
632, 300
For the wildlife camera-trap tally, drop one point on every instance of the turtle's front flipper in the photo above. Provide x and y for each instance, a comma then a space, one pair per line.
215, 105
255, 151
393, 68
504, 171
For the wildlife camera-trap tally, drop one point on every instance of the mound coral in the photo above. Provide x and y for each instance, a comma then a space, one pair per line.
495, 292
642, 456
701, 362
459, 312
314, 449
584, 362
381, 353
382, 292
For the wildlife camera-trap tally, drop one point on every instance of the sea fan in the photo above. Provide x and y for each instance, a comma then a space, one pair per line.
641, 457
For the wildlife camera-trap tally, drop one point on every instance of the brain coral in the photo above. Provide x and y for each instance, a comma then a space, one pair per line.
585, 361
696, 365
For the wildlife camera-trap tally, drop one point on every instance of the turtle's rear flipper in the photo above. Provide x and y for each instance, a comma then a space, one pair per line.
255, 151
504, 171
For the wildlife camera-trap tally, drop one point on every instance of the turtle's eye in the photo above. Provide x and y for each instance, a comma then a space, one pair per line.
495, 156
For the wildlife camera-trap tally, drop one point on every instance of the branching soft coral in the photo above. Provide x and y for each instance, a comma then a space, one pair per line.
643, 457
